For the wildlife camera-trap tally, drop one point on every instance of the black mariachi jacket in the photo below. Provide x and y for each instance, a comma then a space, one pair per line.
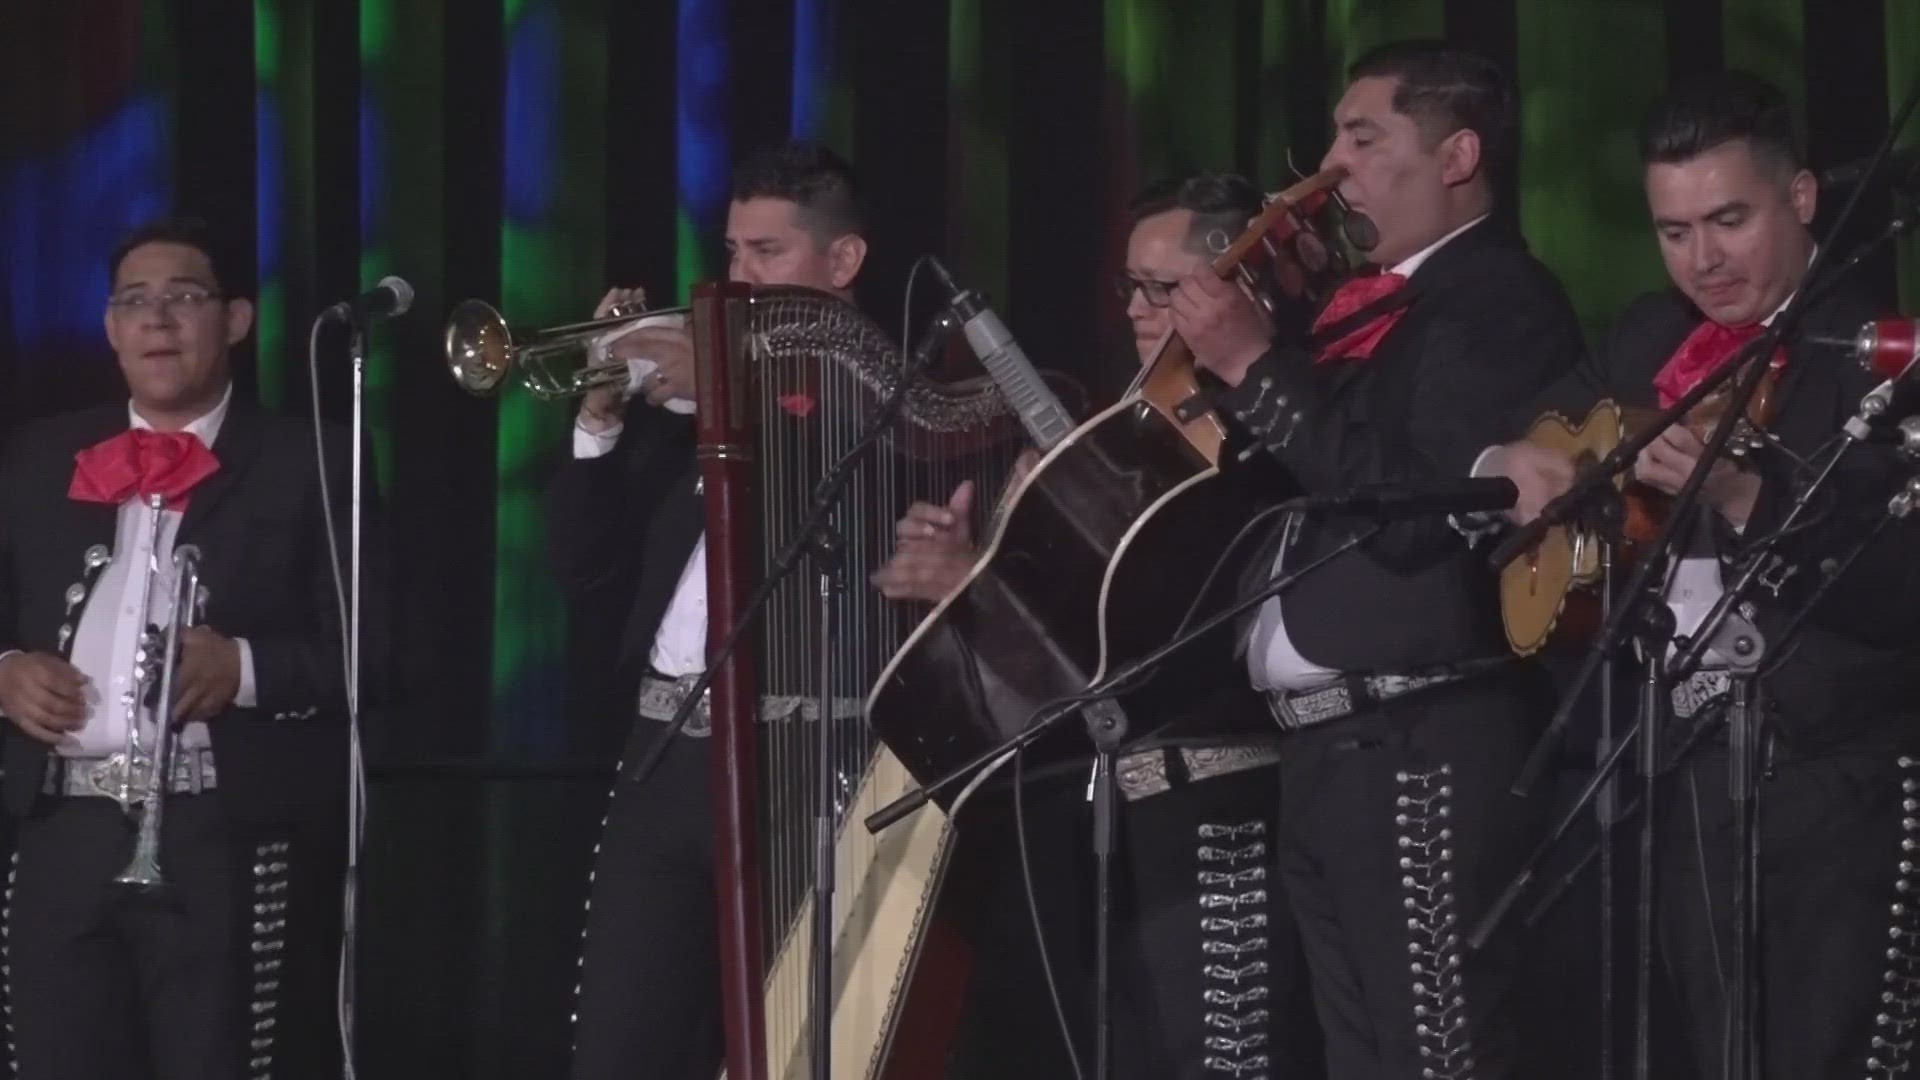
1851, 673
1487, 328
265, 565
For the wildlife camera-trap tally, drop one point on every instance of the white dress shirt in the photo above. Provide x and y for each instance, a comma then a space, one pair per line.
1272, 660
110, 627
680, 643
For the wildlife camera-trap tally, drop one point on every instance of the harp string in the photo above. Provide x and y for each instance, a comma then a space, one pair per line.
819, 370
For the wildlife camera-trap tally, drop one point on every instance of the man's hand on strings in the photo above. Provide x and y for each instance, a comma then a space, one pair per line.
934, 551
1667, 461
1224, 327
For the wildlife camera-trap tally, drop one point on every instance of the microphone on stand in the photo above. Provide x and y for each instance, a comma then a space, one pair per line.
1005, 360
986, 333
1887, 348
391, 298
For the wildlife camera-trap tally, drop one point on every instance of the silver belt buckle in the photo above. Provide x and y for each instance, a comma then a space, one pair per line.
1294, 710
661, 698
191, 772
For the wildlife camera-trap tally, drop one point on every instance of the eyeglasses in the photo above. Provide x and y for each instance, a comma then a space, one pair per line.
188, 301
1158, 293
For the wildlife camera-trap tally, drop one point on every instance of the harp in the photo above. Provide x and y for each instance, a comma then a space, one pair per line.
788, 379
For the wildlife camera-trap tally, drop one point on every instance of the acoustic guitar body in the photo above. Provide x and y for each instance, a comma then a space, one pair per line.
1099, 553
1546, 599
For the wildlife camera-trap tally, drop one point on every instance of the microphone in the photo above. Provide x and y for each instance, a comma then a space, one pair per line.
1466, 495
1005, 360
986, 334
1885, 347
391, 298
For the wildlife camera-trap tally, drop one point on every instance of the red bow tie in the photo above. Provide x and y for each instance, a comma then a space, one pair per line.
1704, 352
141, 462
1357, 293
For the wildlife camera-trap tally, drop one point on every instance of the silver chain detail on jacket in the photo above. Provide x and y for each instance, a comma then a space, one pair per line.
1422, 814
1234, 946
267, 945
1891, 1051
6, 957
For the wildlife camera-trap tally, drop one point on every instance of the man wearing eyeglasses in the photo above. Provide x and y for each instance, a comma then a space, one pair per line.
1209, 977
224, 968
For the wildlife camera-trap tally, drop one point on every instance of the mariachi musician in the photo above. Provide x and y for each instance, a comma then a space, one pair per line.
628, 523
1387, 665
226, 968
1209, 973
1731, 203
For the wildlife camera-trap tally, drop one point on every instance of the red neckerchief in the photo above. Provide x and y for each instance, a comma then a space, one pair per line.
1358, 293
1705, 351
138, 462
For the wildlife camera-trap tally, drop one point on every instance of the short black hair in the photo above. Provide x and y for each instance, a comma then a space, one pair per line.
1444, 88
1221, 202
187, 230
1736, 106
810, 176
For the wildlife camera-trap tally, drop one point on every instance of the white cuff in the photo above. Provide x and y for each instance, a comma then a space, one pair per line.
3, 657
248, 696
592, 444
1479, 524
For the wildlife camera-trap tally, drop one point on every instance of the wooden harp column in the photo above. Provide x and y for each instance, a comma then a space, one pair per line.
726, 436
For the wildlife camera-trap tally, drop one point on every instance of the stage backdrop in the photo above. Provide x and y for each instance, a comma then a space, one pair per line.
535, 152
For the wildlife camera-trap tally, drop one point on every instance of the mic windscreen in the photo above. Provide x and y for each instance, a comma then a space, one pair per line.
1360, 231
402, 293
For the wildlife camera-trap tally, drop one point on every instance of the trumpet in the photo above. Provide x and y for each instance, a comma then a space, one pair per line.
149, 789
555, 363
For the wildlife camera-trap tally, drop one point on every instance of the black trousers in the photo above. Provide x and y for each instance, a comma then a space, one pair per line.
1396, 831
649, 998
1210, 977
1832, 828
225, 972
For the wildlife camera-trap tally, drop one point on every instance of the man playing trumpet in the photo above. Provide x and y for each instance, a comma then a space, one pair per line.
628, 522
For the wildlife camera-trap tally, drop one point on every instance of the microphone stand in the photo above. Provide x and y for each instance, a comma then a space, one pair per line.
1744, 641
1589, 487
357, 352
1106, 728
1051, 713
827, 553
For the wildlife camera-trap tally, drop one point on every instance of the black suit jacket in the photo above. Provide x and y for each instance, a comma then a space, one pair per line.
258, 522
1852, 672
621, 527
1488, 328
